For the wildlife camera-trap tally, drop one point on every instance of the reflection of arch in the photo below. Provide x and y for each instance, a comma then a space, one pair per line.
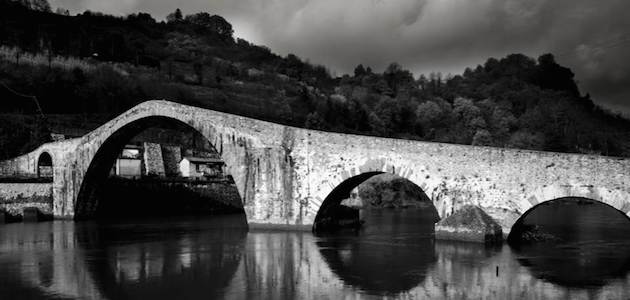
45, 165
102, 161
516, 229
578, 266
190, 259
343, 190
379, 265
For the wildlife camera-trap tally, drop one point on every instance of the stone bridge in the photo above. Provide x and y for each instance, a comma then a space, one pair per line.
286, 175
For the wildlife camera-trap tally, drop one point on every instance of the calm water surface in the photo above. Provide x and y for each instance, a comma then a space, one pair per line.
217, 257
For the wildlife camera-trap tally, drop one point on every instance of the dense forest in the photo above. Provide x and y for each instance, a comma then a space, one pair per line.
91, 64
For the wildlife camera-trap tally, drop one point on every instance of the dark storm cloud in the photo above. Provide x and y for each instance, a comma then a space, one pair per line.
426, 35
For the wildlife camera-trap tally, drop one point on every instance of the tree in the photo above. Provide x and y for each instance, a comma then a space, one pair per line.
466, 110
215, 24
284, 110
398, 79
423, 82
377, 125
502, 122
526, 140
39, 133
198, 69
429, 114
482, 138
62, 11
141, 18
359, 71
551, 75
314, 121
175, 16
469, 119
39, 5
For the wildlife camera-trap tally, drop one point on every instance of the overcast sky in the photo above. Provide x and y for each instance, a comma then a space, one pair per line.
590, 37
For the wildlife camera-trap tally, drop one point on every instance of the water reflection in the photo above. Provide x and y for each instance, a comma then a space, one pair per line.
148, 260
581, 264
218, 258
394, 244
43, 260
584, 243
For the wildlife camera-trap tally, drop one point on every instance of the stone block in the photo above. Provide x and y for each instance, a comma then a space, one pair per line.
469, 224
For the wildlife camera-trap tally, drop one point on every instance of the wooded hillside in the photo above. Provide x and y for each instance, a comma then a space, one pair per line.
98, 64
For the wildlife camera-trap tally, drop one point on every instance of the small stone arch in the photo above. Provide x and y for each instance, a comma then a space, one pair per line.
44, 165
345, 181
521, 219
615, 198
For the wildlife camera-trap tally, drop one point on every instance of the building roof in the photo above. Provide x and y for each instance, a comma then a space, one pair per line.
194, 159
131, 146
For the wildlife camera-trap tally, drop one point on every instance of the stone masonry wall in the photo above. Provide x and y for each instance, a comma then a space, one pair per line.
14, 197
172, 155
153, 161
504, 182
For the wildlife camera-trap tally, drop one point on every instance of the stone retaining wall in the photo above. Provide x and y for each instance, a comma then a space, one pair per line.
14, 197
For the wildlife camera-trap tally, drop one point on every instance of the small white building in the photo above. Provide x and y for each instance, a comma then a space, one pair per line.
129, 162
195, 167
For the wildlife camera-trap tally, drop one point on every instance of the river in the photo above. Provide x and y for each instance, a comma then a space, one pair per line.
394, 256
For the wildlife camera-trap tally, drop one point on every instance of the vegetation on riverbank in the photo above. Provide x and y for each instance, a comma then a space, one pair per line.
95, 64
391, 191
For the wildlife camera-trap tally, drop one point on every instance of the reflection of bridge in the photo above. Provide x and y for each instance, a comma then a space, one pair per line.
77, 260
285, 174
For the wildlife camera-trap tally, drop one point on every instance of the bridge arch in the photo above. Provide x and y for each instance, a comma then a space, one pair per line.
615, 198
110, 146
345, 181
517, 226
44, 165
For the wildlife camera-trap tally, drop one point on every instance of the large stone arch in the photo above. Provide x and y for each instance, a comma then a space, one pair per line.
89, 156
106, 154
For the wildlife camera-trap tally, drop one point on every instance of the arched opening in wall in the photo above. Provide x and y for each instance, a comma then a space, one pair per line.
157, 167
44, 165
573, 241
570, 219
369, 197
376, 232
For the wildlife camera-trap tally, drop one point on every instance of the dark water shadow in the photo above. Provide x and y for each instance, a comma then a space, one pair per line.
390, 255
578, 264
